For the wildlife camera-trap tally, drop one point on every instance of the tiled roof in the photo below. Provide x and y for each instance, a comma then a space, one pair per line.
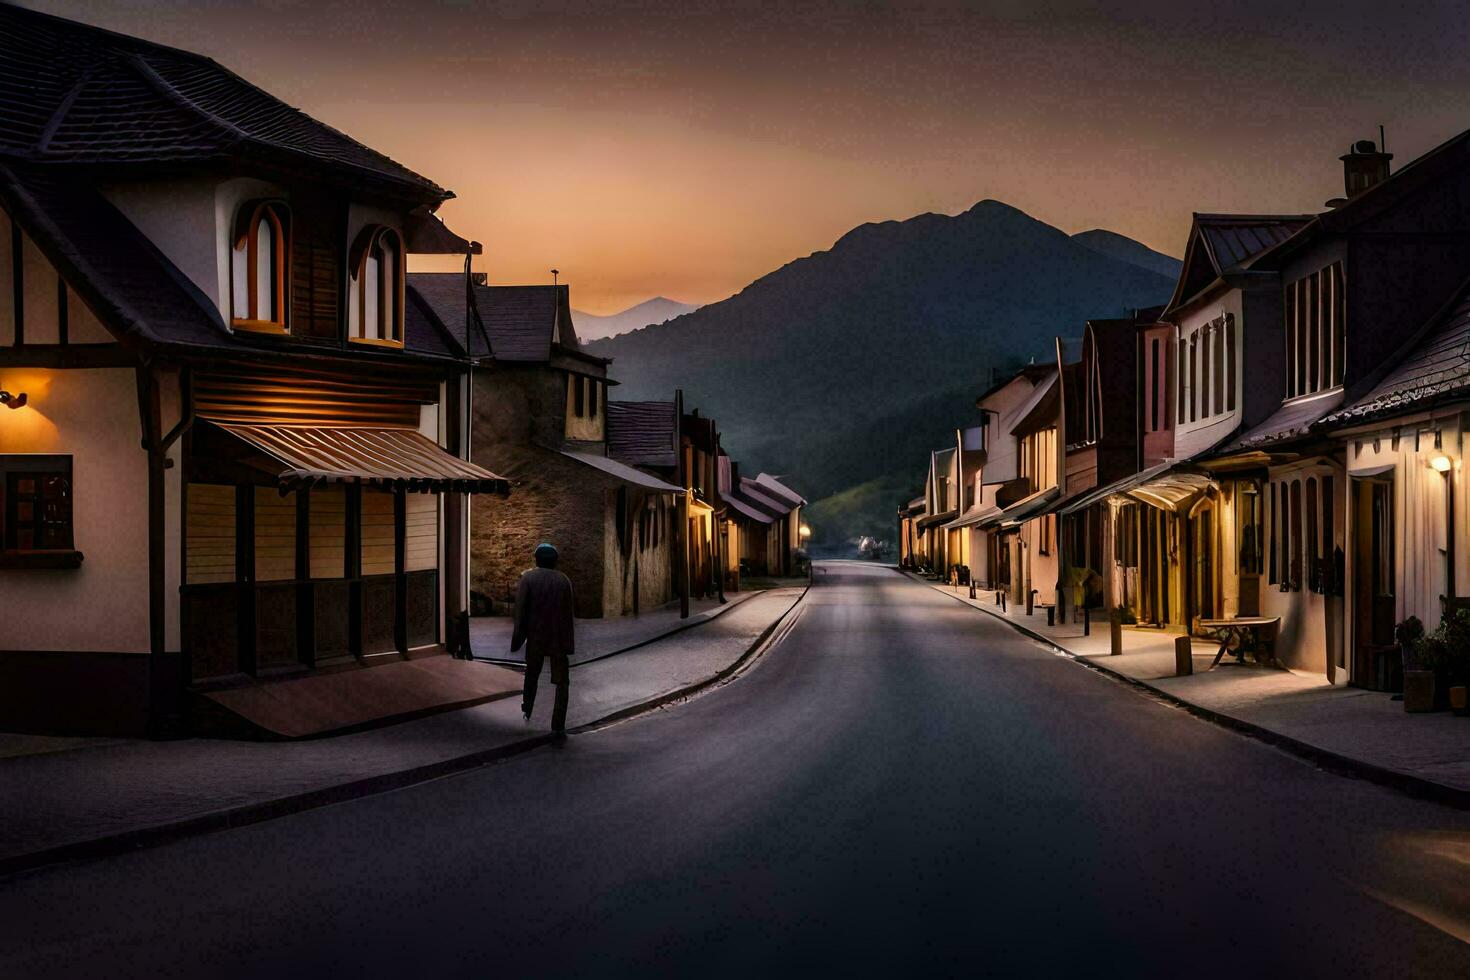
444, 295
1438, 367
524, 321
1231, 239
126, 281
72, 93
130, 285
641, 433
424, 329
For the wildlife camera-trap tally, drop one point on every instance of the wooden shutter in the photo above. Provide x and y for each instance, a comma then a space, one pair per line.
315, 274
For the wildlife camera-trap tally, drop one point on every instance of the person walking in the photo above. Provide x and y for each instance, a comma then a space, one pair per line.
545, 626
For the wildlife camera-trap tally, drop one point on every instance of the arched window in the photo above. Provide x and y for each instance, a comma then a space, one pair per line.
258, 262
375, 300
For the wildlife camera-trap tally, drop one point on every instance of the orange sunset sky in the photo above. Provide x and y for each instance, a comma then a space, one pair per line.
685, 149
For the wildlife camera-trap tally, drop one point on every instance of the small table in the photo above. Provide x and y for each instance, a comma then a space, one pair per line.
1262, 628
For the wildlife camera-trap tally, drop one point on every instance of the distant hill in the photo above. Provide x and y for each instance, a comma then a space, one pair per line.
657, 310
847, 366
1121, 247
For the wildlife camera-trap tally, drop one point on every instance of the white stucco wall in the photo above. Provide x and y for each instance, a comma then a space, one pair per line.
102, 606
1420, 518
179, 216
1197, 436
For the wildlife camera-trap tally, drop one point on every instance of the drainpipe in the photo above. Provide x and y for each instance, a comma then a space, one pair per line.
161, 703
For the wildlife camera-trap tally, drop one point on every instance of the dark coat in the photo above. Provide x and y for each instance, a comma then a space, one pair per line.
544, 610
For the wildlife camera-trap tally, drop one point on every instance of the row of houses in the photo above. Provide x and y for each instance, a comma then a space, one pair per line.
1281, 446
239, 442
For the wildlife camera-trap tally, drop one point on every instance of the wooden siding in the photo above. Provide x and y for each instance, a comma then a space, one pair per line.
210, 533
314, 288
275, 535
421, 532
378, 553
327, 532
284, 395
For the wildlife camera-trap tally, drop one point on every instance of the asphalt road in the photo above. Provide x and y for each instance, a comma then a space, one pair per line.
901, 786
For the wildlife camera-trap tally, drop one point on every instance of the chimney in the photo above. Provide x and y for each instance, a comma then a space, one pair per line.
1365, 165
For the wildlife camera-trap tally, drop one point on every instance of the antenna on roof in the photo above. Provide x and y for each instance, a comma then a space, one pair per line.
554, 274
1382, 141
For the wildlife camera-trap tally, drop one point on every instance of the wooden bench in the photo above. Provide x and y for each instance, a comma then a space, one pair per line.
1262, 629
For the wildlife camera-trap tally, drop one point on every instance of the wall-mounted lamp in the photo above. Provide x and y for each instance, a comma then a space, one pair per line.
12, 401
805, 531
1441, 463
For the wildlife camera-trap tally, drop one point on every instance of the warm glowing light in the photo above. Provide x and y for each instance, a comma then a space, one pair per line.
805, 531
26, 429
1441, 464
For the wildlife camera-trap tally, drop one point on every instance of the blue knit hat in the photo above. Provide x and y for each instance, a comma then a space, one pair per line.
546, 555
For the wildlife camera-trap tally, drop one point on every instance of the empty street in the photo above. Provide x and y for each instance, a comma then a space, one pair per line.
900, 785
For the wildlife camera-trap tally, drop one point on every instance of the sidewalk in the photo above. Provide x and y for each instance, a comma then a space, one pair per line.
1341, 727
114, 796
598, 638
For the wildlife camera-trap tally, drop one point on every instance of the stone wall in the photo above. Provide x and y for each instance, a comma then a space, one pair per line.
518, 419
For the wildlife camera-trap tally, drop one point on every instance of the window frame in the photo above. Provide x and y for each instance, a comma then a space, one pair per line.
369, 241
247, 220
39, 466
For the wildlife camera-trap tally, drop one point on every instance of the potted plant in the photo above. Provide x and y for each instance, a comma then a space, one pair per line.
1422, 653
1454, 667
1407, 635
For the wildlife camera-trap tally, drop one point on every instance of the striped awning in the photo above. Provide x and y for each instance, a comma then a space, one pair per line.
380, 456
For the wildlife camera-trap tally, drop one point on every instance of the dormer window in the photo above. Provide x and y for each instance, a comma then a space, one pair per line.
1316, 329
258, 263
375, 301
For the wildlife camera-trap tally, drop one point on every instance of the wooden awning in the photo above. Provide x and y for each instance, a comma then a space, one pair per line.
387, 457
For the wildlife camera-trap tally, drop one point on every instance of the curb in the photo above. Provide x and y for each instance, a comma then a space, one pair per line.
252, 813
713, 615
1325, 759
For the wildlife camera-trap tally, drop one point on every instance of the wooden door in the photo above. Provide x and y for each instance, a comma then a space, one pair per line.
1372, 548
1203, 567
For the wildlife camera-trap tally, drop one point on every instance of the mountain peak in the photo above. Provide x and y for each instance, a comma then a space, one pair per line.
1125, 249
659, 309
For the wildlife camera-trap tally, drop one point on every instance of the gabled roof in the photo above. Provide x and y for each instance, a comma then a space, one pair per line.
1031, 372
76, 94
523, 322
135, 291
132, 287
642, 433
424, 330
1437, 368
1040, 410
775, 487
1224, 243
764, 498
438, 311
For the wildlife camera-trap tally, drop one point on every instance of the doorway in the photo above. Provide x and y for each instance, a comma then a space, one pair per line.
1203, 568
1374, 603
